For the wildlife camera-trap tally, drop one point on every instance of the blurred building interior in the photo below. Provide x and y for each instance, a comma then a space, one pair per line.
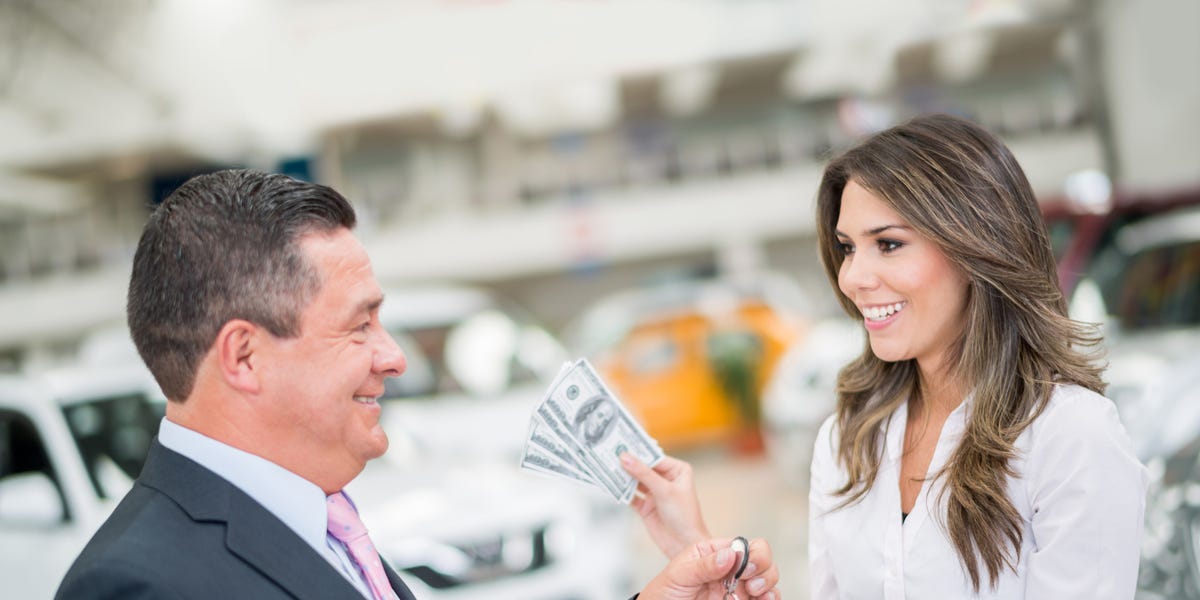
551, 150
524, 170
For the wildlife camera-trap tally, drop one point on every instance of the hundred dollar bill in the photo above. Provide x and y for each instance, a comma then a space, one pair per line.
585, 415
544, 454
579, 454
542, 439
535, 460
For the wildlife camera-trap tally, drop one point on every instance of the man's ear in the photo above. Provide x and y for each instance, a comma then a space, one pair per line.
236, 344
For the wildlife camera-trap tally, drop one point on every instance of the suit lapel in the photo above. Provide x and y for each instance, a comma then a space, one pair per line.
252, 533
401, 590
262, 540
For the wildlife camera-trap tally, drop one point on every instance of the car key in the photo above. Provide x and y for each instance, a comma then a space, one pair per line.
739, 544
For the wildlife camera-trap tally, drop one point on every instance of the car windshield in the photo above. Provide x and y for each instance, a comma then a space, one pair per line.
113, 435
483, 353
1158, 287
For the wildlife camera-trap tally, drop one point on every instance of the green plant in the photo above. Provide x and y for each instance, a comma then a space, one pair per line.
735, 356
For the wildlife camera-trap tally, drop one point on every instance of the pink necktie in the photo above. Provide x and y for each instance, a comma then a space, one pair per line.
346, 527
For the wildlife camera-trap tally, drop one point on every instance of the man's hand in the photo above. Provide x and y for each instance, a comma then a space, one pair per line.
698, 572
667, 503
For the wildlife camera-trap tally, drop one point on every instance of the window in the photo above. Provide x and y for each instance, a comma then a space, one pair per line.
29, 488
113, 435
1159, 287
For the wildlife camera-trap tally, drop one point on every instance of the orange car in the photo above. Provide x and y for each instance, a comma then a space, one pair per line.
691, 361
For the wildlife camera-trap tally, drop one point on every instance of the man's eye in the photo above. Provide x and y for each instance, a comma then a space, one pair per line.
365, 327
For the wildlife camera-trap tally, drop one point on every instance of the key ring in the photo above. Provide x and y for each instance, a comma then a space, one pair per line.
739, 544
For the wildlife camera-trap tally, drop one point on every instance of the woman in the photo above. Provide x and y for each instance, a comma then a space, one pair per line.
971, 453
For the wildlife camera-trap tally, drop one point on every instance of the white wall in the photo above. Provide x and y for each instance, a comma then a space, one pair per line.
1152, 75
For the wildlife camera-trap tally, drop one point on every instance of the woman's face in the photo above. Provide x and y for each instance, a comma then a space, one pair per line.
911, 297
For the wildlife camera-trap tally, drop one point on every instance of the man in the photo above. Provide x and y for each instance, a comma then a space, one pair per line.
595, 419
257, 311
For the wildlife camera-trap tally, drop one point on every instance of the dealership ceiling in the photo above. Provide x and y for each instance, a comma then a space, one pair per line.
84, 81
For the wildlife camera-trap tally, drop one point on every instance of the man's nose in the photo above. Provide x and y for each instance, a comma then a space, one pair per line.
389, 358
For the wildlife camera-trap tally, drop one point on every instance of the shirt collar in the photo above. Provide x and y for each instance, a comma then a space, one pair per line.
952, 430
299, 503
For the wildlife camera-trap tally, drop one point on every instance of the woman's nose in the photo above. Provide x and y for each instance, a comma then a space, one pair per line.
858, 273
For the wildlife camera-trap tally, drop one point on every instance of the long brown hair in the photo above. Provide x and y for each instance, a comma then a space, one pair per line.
959, 187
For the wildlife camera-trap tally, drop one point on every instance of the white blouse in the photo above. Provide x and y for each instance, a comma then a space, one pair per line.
1079, 489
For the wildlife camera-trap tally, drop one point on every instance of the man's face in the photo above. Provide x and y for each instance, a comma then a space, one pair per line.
323, 384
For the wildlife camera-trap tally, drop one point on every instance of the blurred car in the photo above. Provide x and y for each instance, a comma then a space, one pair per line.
690, 358
477, 368
465, 522
1143, 287
1080, 231
72, 440
1170, 566
460, 530
803, 392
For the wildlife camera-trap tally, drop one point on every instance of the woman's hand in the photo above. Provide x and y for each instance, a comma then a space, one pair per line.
667, 504
698, 572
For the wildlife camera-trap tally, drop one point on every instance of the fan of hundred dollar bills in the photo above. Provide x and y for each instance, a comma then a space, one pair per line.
580, 430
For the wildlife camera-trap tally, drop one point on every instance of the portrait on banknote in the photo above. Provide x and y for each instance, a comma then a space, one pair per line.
595, 419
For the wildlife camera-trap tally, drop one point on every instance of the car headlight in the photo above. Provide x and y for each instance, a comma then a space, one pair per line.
442, 565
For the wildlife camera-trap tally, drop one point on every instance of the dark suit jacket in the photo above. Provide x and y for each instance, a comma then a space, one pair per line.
184, 532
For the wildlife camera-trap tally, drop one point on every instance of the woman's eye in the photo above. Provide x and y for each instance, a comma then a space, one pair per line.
887, 246
845, 248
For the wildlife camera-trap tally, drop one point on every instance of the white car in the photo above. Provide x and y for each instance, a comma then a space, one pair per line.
802, 392
1144, 287
476, 370
71, 442
482, 530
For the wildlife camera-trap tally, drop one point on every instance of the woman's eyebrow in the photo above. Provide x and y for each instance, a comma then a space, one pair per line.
874, 230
